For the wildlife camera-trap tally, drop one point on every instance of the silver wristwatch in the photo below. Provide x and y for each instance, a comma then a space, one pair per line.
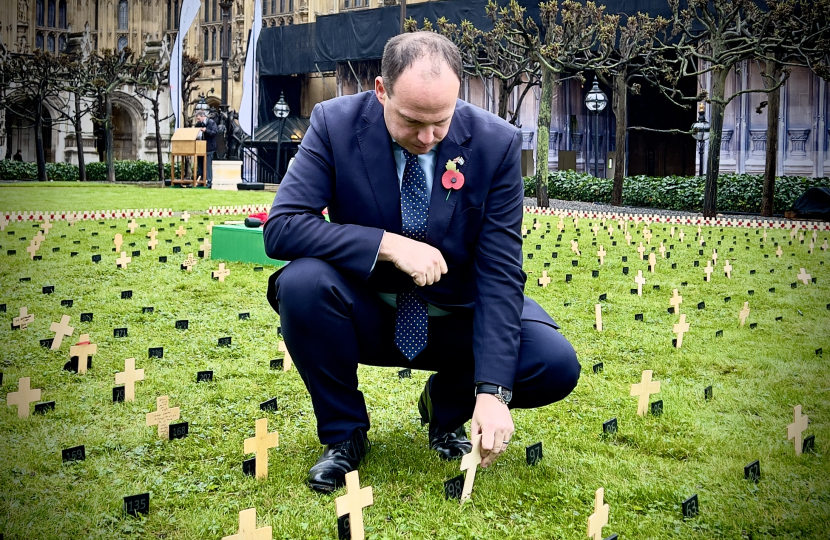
501, 393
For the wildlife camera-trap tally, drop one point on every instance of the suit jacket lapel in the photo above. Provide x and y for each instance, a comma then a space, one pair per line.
376, 149
441, 208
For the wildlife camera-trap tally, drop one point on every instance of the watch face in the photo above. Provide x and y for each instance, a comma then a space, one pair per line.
508, 395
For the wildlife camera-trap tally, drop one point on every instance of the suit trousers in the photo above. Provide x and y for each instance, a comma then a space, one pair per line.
331, 324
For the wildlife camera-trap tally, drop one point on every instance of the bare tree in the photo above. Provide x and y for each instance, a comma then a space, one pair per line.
151, 77
191, 71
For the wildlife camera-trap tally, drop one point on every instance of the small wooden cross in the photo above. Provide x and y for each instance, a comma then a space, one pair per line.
599, 518
779, 252
353, 503
132, 226
652, 262
601, 254
205, 247
628, 238
801, 237
681, 328
83, 350
682, 235
163, 416
24, 319
47, 226
576, 223
700, 240
645, 388
470, 463
671, 233
544, 280
286, 360
675, 301
24, 397
118, 241
185, 216
812, 247
536, 225
795, 429
190, 262
123, 261
595, 228
561, 225
259, 445
128, 378
715, 256
221, 273
181, 231
662, 251
647, 235
640, 281
210, 228
575, 247
727, 269
764, 238
641, 250
804, 277
60, 329
611, 231
598, 314
744, 313
247, 528
824, 246
3, 222
709, 269
39, 238
32, 249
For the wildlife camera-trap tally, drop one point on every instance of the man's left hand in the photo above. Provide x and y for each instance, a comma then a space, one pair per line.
492, 419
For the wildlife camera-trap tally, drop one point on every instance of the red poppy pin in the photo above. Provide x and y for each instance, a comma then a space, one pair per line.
452, 177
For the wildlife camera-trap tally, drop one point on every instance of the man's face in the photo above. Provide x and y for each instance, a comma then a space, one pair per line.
419, 113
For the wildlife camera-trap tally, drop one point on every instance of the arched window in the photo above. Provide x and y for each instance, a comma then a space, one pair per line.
62, 14
207, 11
40, 12
39, 41
123, 14
215, 11
96, 17
273, 6
282, 6
265, 8
50, 43
51, 14
169, 15
176, 14
207, 46
122, 42
62, 43
290, 6
213, 44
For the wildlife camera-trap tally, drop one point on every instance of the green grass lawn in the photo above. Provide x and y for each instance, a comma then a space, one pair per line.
197, 487
34, 196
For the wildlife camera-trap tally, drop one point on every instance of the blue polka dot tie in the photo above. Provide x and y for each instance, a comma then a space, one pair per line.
412, 318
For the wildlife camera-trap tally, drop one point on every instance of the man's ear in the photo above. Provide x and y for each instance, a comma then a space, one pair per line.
380, 90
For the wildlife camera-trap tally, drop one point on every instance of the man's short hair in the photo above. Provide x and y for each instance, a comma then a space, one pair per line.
403, 50
201, 113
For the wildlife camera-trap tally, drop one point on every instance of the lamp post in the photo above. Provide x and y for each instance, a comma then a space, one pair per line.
202, 105
281, 111
225, 51
700, 131
596, 100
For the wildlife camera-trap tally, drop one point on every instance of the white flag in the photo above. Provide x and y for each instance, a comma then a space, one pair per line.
190, 8
247, 110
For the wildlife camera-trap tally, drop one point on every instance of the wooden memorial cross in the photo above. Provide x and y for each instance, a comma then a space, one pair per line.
793, 232
32, 249
644, 389
628, 238
24, 319
764, 237
680, 328
181, 231
39, 238
544, 280
118, 241
205, 247
779, 252
470, 463
715, 256
210, 228
804, 277
599, 518
601, 254
794, 430
640, 281
259, 445
46, 226
598, 314
185, 216
221, 273
641, 250
163, 416
123, 261
682, 235
812, 246
536, 225
247, 528
727, 269
24, 397
190, 262
83, 350
744, 313
286, 361
595, 228
60, 329
824, 246
152, 236
128, 378
662, 251
647, 235
3, 222
353, 503
675, 301
575, 247
611, 231
561, 225
709, 269
132, 226
652, 262
671, 233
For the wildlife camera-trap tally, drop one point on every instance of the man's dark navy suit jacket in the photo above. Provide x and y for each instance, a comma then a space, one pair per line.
345, 163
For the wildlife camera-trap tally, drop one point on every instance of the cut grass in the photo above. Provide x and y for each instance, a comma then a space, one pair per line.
196, 484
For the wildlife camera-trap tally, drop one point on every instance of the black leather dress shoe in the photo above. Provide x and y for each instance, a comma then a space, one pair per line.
329, 473
450, 445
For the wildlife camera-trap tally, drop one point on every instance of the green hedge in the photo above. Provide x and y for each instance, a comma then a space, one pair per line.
125, 171
736, 192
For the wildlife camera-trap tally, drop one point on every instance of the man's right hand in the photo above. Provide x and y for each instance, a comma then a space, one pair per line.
422, 262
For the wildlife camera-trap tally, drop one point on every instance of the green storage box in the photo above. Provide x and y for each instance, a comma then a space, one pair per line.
240, 244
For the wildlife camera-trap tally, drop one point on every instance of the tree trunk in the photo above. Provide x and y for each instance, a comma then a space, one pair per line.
79, 142
542, 138
158, 138
773, 109
108, 139
710, 193
504, 98
42, 175
620, 104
